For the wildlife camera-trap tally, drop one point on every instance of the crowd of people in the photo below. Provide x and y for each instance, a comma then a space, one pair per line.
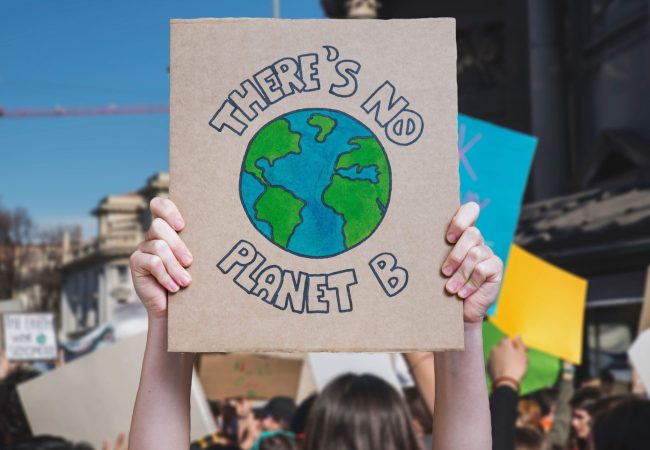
449, 407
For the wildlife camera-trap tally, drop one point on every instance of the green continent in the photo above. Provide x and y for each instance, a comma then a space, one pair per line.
281, 210
368, 152
274, 141
356, 201
325, 124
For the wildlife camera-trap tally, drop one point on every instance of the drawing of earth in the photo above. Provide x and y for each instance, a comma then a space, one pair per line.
315, 182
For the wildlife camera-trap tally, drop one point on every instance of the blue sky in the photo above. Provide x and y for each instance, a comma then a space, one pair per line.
92, 53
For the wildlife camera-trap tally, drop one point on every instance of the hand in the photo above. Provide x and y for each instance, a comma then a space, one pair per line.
474, 271
158, 265
508, 359
120, 443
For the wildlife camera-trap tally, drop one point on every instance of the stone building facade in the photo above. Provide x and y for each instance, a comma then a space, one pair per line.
96, 278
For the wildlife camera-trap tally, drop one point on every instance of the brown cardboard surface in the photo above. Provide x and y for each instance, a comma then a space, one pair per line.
644, 320
91, 399
395, 78
246, 375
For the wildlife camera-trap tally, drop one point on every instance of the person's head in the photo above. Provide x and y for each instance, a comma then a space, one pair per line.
607, 381
243, 407
278, 441
300, 417
530, 413
277, 414
13, 423
624, 425
529, 439
359, 412
582, 409
47, 443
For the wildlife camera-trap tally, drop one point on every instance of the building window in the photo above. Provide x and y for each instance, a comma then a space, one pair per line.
123, 274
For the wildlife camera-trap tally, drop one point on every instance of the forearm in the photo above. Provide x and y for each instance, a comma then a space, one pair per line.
161, 415
462, 415
421, 367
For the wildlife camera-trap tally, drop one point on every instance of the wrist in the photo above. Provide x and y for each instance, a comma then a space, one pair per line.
506, 381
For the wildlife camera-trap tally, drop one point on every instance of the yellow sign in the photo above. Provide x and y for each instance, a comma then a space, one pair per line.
543, 304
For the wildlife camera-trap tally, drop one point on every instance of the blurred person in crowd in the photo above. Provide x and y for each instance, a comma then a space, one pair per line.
508, 363
248, 427
531, 412
13, 422
277, 414
50, 443
422, 420
300, 417
276, 440
582, 409
560, 431
462, 417
623, 425
529, 439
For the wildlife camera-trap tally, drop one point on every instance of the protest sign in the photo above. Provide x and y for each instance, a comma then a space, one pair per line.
91, 399
644, 320
543, 304
639, 354
316, 166
543, 369
29, 337
249, 375
494, 166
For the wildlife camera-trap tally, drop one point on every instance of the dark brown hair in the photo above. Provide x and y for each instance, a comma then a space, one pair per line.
359, 412
625, 425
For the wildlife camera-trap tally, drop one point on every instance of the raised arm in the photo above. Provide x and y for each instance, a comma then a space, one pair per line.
461, 418
161, 416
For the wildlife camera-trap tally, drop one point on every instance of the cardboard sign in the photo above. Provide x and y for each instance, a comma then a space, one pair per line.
639, 354
252, 376
91, 399
494, 167
543, 304
30, 337
315, 164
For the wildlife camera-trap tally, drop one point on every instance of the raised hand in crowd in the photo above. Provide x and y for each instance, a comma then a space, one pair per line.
508, 363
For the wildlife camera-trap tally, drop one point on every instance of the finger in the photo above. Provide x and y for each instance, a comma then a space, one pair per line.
464, 218
119, 444
475, 255
106, 446
470, 238
165, 209
485, 271
160, 229
145, 264
172, 266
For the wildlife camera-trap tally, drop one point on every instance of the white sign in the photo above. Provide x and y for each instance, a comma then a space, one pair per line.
639, 354
30, 337
328, 366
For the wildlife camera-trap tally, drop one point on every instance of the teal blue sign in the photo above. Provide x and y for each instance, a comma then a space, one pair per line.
494, 164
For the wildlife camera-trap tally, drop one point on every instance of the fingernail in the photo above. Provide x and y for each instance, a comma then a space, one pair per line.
172, 286
447, 270
463, 292
453, 286
451, 237
184, 279
178, 224
186, 259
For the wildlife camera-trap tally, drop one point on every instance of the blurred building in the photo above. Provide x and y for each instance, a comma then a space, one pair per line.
574, 74
96, 277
